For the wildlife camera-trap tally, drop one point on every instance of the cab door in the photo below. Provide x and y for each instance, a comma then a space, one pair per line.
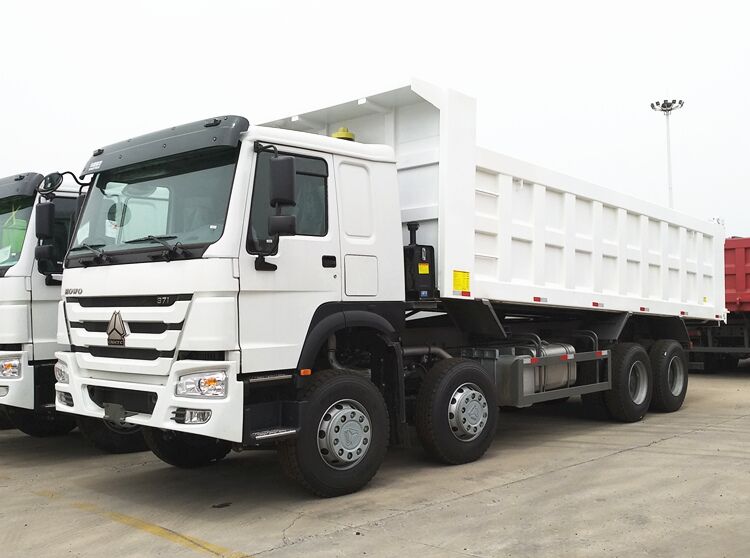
284, 280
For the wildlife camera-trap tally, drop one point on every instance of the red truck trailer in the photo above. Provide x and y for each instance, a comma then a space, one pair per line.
720, 345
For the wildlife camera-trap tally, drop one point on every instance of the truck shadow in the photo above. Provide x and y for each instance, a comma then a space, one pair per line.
15, 447
255, 478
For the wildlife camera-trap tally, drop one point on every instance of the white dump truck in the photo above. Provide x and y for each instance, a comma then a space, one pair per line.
28, 304
232, 286
29, 299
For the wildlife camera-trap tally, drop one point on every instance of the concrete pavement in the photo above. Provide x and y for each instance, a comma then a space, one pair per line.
552, 484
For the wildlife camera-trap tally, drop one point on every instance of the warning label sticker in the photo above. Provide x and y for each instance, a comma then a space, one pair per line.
461, 283
424, 269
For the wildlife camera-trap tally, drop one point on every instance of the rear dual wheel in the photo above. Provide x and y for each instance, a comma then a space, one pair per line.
670, 370
629, 398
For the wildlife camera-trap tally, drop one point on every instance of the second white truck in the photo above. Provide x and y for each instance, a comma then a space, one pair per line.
237, 286
31, 259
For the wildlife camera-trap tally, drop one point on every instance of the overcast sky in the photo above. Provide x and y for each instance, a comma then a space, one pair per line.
563, 84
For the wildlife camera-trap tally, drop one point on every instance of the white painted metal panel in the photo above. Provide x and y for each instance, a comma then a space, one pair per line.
513, 232
544, 238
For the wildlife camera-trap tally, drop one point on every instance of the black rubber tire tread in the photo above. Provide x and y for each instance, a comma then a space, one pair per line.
661, 355
185, 451
40, 425
5, 423
102, 437
432, 411
307, 467
595, 407
618, 400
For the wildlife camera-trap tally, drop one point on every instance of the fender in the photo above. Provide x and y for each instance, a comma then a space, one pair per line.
385, 317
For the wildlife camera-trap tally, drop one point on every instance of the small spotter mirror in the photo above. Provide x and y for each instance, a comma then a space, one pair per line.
50, 183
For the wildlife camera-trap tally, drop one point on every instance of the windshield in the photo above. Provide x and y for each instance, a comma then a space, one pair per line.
179, 200
15, 213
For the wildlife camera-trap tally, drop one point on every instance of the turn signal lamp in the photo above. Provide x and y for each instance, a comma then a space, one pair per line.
10, 368
202, 384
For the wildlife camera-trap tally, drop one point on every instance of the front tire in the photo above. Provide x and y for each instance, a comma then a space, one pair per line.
45, 424
5, 423
186, 451
632, 383
670, 368
110, 437
345, 436
456, 411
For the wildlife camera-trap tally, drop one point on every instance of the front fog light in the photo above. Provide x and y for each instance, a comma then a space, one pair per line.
10, 368
192, 416
202, 384
61, 372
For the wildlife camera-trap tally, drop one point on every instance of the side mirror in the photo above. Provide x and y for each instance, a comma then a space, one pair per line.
45, 221
283, 176
45, 257
282, 225
50, 183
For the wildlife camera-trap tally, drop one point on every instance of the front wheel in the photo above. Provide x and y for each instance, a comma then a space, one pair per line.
5, 423
186, 451
632, 386
456, 411
110, 437
670, 368
43, 424
344, 439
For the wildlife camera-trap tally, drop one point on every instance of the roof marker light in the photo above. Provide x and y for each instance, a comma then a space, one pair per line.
295, 118
362, 101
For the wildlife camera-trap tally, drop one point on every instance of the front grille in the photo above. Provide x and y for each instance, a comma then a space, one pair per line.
159, 301
201, 355
130, 400
135, 327
120, 352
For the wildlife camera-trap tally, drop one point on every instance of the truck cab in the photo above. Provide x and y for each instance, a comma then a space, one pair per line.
29, 297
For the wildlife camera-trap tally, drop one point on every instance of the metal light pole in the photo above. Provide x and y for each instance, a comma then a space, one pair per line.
667, 107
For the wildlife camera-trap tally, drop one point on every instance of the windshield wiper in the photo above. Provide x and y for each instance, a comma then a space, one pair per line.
99, 255
171, 251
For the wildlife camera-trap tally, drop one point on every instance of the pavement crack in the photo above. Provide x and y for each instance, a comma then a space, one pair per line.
284, 539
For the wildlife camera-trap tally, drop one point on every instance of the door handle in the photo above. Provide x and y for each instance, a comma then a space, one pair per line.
329, 261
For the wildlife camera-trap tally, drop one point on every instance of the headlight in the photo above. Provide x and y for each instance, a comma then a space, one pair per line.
202, 384
61, 372
10, 368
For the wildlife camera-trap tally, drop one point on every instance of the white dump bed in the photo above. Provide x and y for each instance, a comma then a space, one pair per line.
510, 231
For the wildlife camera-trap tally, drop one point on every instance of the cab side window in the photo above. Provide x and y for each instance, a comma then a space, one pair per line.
311, 196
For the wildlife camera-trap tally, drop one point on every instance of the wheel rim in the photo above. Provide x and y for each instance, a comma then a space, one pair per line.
676, 375
638, 382
344, 434
467, 412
